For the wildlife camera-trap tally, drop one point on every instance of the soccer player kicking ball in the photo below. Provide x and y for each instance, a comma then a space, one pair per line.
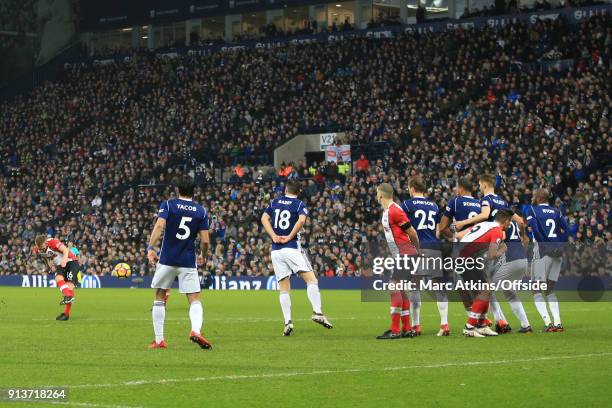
283, 219
483, 239
58, 257
549, 229
402, 239
181, 221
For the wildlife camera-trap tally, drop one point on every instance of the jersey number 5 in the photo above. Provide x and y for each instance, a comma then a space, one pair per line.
184, 228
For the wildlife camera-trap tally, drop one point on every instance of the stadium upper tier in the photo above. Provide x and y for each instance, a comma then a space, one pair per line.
529, 102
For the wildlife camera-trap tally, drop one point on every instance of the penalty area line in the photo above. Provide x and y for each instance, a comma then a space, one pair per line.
341, 371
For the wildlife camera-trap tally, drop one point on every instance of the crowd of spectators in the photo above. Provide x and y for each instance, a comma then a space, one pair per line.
18, 16
499, 7
76, 153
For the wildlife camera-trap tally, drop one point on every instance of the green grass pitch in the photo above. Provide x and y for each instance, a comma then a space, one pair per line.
101, 354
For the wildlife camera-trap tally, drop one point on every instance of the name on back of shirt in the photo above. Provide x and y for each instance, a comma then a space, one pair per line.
186, 207
421, 202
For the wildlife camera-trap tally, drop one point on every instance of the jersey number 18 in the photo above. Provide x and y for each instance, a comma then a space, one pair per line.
281, 219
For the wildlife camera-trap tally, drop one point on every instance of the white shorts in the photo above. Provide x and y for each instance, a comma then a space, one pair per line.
546, 268
431, 264
287, 261
189, 280
512, 271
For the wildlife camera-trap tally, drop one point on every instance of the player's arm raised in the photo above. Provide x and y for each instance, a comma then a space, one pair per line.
265, 221
156, 234
296, 228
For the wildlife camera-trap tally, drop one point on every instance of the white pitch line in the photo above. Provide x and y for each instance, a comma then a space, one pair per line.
80, 404
343, 371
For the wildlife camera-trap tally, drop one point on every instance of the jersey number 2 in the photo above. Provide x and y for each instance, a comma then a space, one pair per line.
551, 224
184, 228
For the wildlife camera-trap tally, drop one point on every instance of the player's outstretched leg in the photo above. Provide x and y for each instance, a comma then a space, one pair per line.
158, 314
314, 296
196, 316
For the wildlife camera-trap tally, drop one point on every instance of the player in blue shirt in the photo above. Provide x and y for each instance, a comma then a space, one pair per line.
181, 221
549, 229
461, 207
490, 204
425, 215
283, 219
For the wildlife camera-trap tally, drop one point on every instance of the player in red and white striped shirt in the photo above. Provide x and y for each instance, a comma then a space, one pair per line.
402, 240
485, 239
66, 266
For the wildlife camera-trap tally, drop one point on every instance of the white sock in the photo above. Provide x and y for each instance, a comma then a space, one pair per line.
196, 315
540, 303
442, 301
285, 302
553, 303
159, 315
415, 306
312, 289
517, 308
496, 309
